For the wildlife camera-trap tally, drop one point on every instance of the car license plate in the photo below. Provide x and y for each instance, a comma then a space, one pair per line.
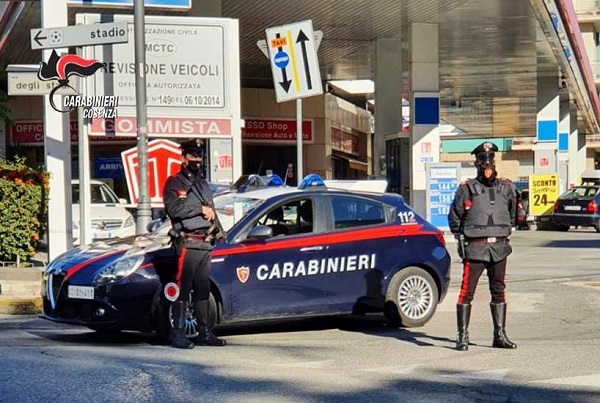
573, 208
80, 292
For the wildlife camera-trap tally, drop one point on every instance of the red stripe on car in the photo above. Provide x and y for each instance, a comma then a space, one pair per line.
329, 239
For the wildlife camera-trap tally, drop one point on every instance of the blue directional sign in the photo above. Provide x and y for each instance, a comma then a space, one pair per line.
281, 59
442, 182
181, 4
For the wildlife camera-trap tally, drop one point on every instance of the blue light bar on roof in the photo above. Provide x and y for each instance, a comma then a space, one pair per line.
311, 180
274, 180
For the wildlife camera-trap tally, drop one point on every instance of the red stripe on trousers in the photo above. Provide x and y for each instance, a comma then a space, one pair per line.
180, 267
465, 282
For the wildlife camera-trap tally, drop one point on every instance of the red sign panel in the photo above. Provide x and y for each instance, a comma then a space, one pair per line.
164, 160
276, 130
32, 132
164, 127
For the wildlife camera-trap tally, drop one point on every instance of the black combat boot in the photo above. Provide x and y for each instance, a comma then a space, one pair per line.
499, 318
177, 336
205, 335
463, 314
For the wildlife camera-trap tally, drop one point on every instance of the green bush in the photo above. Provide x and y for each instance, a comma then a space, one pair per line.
23, 209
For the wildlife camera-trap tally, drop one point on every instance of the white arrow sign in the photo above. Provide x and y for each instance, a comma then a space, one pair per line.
262, 44
294, 63
79, 35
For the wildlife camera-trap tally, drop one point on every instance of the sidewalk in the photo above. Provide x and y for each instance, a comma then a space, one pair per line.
20, 287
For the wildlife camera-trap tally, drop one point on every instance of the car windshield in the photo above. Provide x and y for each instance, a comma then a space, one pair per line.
100, 193
580, 193
230, 207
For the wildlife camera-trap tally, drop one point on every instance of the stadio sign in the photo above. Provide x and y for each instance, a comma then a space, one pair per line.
279, 130
164, 160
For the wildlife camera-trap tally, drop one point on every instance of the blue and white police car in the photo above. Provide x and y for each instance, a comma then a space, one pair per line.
312, 250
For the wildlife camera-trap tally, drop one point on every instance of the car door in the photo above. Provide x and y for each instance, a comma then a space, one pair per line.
357, 247
279, 276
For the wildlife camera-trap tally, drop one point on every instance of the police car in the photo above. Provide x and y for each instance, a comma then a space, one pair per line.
311, 250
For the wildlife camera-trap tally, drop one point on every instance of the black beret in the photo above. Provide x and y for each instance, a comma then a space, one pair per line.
487, 147
195, 146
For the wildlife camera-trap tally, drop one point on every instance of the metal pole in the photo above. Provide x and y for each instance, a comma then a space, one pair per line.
144, 212
300, 168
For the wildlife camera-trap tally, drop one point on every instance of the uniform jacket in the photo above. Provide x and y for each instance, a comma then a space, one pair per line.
183, 196
480, 212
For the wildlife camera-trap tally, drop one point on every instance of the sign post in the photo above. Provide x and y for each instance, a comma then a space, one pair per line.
292, 50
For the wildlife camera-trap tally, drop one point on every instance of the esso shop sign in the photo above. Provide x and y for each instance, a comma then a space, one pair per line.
280, 130
164, 160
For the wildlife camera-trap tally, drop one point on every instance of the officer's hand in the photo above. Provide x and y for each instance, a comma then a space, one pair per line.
208, 213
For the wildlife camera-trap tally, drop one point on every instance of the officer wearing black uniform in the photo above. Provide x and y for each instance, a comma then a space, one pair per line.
482, 217
188, 203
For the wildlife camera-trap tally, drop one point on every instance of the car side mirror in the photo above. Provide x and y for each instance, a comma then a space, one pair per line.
260, 232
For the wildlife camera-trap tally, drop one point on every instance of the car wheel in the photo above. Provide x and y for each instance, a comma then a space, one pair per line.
412, 298
597, 226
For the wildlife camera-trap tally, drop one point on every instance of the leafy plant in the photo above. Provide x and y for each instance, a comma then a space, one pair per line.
23, 209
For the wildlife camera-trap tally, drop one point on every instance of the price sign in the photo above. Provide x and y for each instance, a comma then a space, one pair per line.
543, 192
442, 182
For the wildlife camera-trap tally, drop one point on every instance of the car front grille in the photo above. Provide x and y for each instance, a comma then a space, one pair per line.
55, 282
107, 224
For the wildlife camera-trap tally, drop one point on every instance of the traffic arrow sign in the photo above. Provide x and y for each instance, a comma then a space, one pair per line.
292, 51
79, 35
262, 44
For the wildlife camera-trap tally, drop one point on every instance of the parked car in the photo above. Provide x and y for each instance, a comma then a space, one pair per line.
311, 250
110, 218
578, 206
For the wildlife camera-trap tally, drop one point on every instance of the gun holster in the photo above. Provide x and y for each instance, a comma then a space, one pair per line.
178, 240
213, 234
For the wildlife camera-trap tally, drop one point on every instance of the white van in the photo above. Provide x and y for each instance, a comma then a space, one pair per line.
110, 218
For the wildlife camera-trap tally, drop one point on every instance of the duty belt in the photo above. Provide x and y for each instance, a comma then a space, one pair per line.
488, 240
197, 236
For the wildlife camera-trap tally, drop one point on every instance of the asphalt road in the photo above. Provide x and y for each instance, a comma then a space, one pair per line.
553, 296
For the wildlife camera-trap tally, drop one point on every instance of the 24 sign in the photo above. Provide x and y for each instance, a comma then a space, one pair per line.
544, 189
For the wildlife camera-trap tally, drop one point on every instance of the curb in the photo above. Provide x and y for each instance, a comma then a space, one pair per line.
20, 306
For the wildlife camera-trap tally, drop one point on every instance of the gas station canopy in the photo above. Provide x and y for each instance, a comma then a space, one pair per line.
491, 52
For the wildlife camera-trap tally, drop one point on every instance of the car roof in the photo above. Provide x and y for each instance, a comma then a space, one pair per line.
270, 192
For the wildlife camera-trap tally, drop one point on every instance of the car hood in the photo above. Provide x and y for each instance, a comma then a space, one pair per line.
102, 253
103, 212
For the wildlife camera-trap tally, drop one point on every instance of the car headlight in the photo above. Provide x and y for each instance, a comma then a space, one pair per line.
130, 222
118, 270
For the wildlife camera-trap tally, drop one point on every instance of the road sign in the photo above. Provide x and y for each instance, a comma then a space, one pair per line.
178, 4
79, 35
293, 55
262, 44
28, 83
